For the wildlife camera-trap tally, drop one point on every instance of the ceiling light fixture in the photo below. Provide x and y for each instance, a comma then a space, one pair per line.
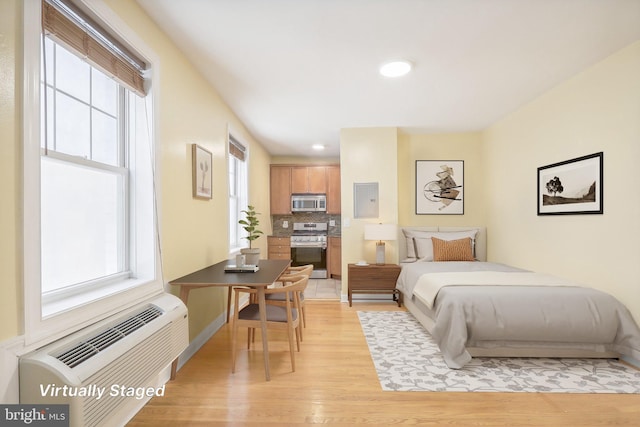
395, 68
318, 147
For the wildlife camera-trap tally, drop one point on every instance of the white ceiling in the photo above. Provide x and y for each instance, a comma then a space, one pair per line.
297, 71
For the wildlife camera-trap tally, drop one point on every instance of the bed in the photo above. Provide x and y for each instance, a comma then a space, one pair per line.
474, 308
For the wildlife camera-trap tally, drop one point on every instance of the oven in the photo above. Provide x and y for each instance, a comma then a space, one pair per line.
309, 246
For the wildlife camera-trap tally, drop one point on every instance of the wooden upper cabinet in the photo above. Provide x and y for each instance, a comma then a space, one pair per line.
333, 189
309, 179
291, 179
280, 190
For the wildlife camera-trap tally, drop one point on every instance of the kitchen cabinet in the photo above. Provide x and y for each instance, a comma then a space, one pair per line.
309, 179
289, 179
333, 190
335, 256
279, 247
280, 190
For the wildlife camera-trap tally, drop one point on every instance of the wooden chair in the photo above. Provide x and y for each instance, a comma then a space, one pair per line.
278, 317
278, 299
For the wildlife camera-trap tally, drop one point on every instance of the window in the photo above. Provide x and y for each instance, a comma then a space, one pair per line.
238, 193
90, 224
84, 175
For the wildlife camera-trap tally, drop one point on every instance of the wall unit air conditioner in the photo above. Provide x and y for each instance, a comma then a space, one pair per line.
126, 350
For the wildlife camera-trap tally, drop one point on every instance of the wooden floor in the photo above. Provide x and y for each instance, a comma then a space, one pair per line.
335, 383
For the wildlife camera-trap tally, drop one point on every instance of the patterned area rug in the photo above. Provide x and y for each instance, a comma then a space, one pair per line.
407, 359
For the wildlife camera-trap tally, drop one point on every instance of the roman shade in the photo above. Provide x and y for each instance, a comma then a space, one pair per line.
68, 25
236, 149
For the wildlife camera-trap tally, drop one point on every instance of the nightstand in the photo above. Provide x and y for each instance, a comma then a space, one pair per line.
374, 279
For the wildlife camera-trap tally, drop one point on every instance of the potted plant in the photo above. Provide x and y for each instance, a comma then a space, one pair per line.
250, 224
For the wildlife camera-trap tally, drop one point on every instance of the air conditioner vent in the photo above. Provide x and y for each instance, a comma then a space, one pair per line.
92, 346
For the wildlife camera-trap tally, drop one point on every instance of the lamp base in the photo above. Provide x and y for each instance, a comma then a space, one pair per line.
380, 253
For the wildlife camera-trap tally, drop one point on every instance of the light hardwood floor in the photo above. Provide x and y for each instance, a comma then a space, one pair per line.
335, 383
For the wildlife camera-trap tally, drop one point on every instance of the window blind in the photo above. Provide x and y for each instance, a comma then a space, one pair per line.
68, 25
236, 149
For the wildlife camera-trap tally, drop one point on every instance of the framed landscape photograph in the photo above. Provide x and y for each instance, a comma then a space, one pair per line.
439, 187
202, 172
571, 187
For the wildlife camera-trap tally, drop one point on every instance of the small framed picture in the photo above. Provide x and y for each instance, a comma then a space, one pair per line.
571, 187
439, 187
202, 172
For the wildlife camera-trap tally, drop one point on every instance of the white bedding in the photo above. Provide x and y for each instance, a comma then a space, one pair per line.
429, 285
489, 314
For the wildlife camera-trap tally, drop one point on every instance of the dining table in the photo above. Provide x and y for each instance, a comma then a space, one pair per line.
215, 276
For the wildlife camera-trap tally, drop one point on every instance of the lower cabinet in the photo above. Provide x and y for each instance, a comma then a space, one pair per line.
335, 257
279, 247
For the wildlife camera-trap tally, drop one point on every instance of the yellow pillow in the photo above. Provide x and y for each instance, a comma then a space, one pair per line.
452, 250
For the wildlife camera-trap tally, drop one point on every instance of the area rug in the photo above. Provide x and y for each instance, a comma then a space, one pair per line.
407, 358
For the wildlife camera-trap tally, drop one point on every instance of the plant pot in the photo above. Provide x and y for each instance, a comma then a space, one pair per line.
252, 255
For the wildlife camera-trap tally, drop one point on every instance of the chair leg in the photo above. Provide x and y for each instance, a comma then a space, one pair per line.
251, 332
291, 351
303, 309
234, 350
298, 336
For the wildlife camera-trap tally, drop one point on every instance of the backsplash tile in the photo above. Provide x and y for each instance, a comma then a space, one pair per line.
278, 220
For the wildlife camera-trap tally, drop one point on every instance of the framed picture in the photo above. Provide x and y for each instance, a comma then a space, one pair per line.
571, 187
439, 187
202, 172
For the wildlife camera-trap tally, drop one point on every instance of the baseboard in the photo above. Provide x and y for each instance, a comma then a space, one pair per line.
201, 339
206, 334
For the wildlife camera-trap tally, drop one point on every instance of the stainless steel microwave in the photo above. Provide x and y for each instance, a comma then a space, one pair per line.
308, 203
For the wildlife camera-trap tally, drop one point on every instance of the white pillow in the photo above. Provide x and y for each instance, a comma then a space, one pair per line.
424, 244
409, 236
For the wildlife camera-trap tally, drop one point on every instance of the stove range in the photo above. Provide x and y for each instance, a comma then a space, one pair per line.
309, 246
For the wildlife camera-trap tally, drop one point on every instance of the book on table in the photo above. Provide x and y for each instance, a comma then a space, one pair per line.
248, 268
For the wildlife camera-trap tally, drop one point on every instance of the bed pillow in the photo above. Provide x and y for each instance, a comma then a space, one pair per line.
424, 245
409, 236
452, 250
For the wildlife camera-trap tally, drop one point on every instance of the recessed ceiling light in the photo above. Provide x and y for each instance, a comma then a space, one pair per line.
395, 68
318, 147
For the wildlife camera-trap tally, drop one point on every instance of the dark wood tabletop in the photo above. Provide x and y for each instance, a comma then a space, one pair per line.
214, 275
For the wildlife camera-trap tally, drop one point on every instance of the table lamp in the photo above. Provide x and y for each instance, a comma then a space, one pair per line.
380, 232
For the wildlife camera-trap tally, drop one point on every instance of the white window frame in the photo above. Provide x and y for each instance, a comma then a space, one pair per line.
71, 313
243, 200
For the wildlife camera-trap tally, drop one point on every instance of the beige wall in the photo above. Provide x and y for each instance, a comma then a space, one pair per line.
596, 110
467, 147
194, 233
367, 155
10, 170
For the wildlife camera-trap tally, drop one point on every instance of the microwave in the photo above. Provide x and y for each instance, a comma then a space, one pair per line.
308, 203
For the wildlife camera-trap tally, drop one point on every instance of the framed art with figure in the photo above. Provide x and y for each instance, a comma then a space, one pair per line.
202, 171
439, 187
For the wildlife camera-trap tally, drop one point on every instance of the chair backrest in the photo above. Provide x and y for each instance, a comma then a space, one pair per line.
302, 269
293, 272
294, 283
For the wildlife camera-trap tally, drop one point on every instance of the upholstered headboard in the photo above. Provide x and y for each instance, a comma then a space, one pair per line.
480, 240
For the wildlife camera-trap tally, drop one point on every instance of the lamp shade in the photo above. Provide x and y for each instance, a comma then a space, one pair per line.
380, 232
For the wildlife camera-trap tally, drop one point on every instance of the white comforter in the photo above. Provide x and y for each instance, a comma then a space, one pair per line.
531, 312
429, 285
